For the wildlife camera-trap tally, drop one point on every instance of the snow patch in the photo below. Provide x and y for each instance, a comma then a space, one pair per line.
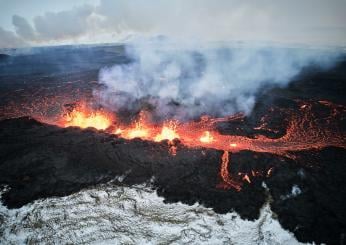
132, 215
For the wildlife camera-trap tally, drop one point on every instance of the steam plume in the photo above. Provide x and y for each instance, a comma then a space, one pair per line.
183, 81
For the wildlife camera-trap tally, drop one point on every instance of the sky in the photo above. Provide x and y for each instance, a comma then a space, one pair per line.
40, 22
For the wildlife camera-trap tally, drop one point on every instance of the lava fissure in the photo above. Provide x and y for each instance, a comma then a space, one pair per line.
305, 131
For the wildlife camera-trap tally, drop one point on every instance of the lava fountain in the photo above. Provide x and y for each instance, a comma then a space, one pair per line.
168, 132
84, 117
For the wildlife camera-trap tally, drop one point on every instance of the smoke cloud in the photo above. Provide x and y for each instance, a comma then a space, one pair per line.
64, 24
184, 81
23, 28
9, 40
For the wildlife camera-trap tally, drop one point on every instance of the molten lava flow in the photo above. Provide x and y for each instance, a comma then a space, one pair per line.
306, 129
206, 137
226, 178
80, 117
138, 131
247, 178
118, 131
168, 132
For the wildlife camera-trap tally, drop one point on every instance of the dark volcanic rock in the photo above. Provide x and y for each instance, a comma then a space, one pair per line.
316, 212
4, 57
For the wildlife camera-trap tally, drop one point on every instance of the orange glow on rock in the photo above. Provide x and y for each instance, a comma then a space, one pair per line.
247, 178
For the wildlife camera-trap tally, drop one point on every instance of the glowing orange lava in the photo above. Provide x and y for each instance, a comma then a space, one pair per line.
118, 131
138, 131
306, 130
80, 117
206, 137
168, 132
226, 177
247, 178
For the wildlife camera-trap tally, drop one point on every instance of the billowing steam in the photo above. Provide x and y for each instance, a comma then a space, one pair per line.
184, 81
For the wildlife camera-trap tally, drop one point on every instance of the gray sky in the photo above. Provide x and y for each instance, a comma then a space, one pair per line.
40, 22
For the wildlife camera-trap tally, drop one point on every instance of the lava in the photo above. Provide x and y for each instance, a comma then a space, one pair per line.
305, 130
168, 132
206, 137
226, 177
85, 118
137, 131
247, 178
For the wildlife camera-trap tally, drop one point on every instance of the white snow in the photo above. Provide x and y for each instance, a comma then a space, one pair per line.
132, 215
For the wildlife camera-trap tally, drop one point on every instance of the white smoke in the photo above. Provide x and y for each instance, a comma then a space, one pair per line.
65, 24
9, 40
184, 80
23, 28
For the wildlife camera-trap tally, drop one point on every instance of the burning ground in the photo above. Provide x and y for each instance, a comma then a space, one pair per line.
57, 138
